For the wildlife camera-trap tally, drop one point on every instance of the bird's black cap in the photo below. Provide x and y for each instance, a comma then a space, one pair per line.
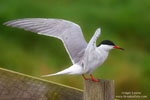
106, 42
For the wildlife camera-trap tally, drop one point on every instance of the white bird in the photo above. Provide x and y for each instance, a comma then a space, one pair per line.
85, 57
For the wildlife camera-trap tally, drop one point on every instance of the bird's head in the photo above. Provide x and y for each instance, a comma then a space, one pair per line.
108, 45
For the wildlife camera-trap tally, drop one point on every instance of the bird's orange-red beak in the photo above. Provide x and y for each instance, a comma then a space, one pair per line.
117, 47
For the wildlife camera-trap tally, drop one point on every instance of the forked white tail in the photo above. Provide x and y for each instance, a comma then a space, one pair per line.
74, 69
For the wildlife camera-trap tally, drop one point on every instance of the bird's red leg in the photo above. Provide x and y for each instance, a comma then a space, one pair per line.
95, 80
85, 77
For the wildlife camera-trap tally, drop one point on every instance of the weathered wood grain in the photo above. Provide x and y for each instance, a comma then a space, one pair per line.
102, 90
17, 86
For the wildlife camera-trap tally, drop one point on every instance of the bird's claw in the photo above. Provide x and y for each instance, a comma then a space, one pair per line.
87, 78
95, 80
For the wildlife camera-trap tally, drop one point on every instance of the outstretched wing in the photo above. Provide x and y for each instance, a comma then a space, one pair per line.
90, 48
92, 43
70, 33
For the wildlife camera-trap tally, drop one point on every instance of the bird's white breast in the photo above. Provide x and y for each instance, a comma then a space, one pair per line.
94, 59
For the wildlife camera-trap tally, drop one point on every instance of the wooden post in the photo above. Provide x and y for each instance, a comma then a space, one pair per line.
102, 90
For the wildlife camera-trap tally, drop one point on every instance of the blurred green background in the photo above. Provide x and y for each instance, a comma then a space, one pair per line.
126, 22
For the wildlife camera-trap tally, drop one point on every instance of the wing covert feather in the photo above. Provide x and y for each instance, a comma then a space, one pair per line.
70, 33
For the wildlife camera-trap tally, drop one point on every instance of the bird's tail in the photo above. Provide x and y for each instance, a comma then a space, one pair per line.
51, 74
58, 73
74, 69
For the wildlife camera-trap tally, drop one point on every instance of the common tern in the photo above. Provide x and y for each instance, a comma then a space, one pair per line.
85, 57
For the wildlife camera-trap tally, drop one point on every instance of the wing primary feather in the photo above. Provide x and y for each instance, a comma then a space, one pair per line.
69, 32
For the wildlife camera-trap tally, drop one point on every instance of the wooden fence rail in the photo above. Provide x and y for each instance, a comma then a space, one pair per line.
17, 86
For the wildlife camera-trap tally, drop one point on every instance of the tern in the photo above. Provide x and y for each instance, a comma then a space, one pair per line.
85, 57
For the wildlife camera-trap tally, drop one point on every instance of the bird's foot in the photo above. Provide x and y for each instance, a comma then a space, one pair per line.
85, 77
95, 80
